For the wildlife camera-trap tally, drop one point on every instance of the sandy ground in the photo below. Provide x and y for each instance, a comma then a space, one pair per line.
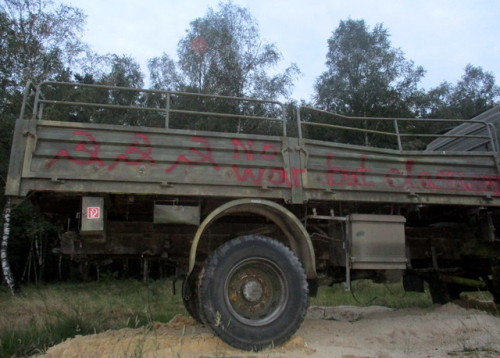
343, 332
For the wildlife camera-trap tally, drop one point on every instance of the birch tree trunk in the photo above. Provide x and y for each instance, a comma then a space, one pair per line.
7, 273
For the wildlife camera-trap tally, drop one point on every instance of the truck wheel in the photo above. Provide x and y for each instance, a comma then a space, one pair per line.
253, 293
190, 295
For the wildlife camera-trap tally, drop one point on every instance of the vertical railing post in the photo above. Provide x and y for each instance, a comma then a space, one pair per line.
283, 118
36, 103
398, 136
299, 124
167, 112
490, 129
26, 95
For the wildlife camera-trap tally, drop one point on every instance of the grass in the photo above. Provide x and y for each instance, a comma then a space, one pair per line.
47, 315
366, 293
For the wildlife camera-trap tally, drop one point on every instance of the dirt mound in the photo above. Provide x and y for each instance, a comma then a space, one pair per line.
343, 332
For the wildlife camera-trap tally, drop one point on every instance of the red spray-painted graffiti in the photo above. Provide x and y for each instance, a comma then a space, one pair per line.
269, 152
135, 147
259, 176
441, 180
261, 164
89, 146
140, 151
92, 148
345, 176
411, 179
200, 156
276, 176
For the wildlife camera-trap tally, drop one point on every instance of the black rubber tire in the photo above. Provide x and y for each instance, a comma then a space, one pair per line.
190, 295
253, 293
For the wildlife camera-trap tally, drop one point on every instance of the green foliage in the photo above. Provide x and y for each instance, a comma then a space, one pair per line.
123, 72
37, 40
21, 343
47, 315
473, 94
366, 293
30, 251
365, 75
222, 53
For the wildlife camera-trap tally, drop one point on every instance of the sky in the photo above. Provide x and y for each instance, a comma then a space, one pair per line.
442, 36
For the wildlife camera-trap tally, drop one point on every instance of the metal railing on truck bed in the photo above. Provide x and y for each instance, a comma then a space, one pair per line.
155, 108
99, 104
390, 160
77, 138
104, 139
167, 109
393, 133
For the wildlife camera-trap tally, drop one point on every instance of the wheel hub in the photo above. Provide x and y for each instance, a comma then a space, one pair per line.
252, 291
256, 292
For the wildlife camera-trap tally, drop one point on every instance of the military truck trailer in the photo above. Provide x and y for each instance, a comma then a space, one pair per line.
256, 205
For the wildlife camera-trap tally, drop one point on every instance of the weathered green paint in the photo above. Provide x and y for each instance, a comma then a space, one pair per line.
177, 162
363, 174
102, 158
12, 187
266, 175
298, 236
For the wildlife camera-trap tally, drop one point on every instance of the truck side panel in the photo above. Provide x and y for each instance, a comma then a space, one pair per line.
73, 157
363, 174
16, 164
89, 158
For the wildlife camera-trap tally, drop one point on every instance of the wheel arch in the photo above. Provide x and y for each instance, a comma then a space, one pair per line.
296, 234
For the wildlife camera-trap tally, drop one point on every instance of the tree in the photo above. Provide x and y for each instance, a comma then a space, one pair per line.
124, 72
7, 272
473, 94
222, 53
366, 76
476, 92
163, 74
111, 71
38, 42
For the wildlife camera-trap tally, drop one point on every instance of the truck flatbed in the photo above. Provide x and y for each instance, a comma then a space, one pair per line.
62, 156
